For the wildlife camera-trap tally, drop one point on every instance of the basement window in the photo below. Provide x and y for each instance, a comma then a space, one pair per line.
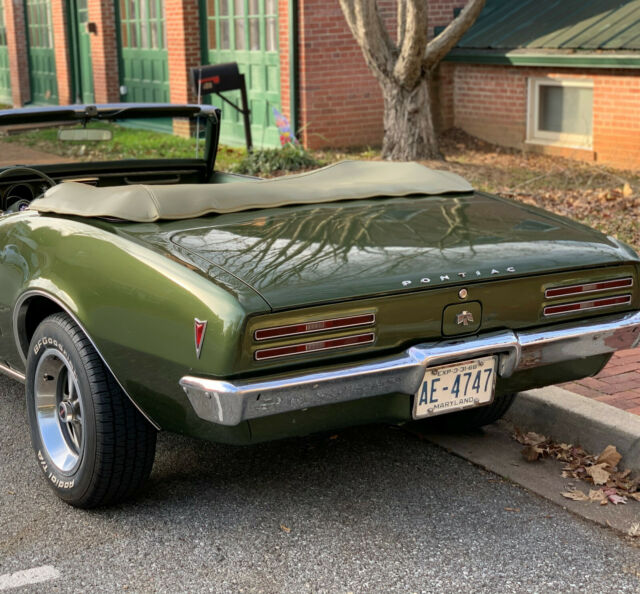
560, 112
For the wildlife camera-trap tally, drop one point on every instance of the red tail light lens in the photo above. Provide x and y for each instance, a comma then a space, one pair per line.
318, 345
618, 283
554, 310
318, 326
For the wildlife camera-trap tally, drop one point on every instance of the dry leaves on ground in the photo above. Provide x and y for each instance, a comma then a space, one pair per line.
613, 485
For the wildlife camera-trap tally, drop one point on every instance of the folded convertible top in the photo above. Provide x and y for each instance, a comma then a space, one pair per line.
348, 180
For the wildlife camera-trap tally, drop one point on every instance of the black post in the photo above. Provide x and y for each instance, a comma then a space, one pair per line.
245, 113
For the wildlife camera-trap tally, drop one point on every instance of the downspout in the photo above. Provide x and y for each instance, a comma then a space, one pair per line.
293, 66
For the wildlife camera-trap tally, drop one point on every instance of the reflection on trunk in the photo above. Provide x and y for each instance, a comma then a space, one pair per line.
384, 238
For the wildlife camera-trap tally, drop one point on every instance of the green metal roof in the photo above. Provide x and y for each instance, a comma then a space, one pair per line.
556, 24
562, 33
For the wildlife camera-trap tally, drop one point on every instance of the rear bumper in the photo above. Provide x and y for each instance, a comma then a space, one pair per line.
229, 403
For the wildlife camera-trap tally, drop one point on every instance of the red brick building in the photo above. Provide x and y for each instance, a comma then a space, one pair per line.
560, 78
533, 74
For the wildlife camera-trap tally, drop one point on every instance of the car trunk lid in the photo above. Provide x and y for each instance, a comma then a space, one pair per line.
304, 255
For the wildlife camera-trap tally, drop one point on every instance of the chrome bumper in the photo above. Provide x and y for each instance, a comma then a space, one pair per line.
229, 403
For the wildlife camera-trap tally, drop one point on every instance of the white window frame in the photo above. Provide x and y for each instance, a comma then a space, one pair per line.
537, 136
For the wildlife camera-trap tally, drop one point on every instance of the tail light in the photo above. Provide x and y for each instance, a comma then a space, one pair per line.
358, 337
311, 327
607, 285
554, 310
318, 345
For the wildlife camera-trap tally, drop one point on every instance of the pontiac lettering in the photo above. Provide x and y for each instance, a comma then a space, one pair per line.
446, 277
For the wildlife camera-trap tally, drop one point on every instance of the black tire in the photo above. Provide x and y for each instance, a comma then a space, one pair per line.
473, 418
92, 445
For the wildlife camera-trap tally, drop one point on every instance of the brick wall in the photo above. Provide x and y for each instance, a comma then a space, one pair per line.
340, 100
183, 49
284, 36
441, 12
340, 103
616, 118
490, 102
61, 49
104, 51
17, 50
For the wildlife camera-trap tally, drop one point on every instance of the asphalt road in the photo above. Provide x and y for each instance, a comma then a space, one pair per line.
371, 510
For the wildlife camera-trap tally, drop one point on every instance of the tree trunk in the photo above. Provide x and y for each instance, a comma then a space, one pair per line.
409, 132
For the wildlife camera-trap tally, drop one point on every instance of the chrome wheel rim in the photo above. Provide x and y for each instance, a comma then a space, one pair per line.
59, 411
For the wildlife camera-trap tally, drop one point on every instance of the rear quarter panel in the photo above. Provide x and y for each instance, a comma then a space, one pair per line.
137, 306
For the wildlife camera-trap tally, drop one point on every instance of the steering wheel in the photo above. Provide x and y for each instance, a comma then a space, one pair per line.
24, 204
24, 169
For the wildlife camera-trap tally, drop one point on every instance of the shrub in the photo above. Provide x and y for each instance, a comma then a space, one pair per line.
274, 160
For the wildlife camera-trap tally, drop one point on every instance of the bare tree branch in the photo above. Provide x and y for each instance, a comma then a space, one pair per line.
367, 27
440, 46
401, 16
408, 67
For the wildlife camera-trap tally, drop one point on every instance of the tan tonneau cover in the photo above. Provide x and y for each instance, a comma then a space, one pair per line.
349, 180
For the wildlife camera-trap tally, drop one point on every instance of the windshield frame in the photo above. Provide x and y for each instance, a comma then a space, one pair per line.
119, 111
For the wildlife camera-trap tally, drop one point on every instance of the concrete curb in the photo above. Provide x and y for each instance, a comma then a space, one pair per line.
571, 418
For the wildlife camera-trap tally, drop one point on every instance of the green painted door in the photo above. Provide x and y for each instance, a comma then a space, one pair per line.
5, 79
83, 69
42, 62
144, 72
246, 32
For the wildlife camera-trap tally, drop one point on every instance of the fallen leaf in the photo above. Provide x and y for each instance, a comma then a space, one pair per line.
598, 473
616, 499
609, 456
597, 495
532, 438
635, 496
285, 528
531, 453
575, 495
626, 190
634, 530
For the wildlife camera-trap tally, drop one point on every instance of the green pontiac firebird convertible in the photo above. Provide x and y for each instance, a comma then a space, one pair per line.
146, 294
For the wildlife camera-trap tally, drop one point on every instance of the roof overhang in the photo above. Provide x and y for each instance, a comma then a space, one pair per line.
542, 58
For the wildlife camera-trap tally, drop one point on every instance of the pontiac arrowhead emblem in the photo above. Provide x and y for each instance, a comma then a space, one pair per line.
200, 326
464, 318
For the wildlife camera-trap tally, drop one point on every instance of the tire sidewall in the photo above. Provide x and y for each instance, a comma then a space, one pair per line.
52, 334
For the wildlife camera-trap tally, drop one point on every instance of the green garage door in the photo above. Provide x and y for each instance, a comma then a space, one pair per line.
143, 55
246, 32
42, 61
5, 79
81, 50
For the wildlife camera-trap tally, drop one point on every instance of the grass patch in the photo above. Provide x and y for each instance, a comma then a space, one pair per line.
127, 143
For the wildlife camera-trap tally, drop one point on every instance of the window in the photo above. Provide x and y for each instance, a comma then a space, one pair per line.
3, 30
242, 25
142, 24
39, 24
560, 112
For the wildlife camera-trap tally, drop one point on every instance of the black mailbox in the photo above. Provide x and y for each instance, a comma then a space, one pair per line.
217, 78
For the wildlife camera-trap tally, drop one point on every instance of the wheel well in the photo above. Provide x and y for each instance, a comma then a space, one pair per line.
32, 312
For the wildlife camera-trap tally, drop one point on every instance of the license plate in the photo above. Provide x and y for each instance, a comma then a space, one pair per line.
455, 387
